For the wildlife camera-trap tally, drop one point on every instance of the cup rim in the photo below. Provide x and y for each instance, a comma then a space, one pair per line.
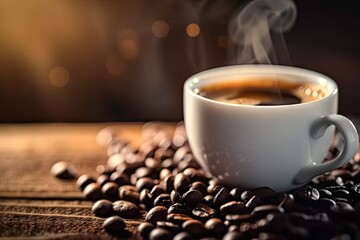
258, 69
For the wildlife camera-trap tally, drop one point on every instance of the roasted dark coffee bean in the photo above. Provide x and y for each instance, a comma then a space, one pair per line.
102, 208
199, 186
183, 236
178, 218
160, 234
103, 179
171, 227
324, 193
341, 193
129, 194
344, 209
325, 203
298, 218
192, 198
181, 183
156, 191
231, 235
333, 188
188, 161
180, 153
288, 202
326, 181
194, 175
102, 169
114, 225
263, 210
203, 211
163, 200
348, 184
163, 153
213, 189
175, 197
355, 191
158, 213
179, 208
110, 191
144, 183
221, 197
125, 209
297, 232
233, 207
306, 194
265, 193
145, 229
238, 218
169, 183
216, 226
153, 163
145, 199
164, 172
93, 192
341, 200
232, 228
235, 194
120, 178
194, 227
209, 200
84, 180
145, 172
277, 222
168, 164
253, 202
63, 170
246, 196
271, 236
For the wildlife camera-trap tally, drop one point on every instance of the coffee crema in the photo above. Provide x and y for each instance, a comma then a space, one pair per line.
263, 92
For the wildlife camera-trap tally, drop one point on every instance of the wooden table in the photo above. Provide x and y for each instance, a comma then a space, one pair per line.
35, 205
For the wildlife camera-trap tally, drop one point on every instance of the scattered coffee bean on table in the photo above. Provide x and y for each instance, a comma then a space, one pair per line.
161, 184
63, 170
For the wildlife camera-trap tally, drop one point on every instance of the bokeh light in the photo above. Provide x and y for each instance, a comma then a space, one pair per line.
193, 30
128, 48
160, 29
59, 77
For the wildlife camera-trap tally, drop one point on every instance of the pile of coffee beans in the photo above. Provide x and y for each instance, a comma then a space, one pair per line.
180, 200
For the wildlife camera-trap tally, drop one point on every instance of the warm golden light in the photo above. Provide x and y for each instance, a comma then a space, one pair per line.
114, 64
160, 29
128, 48
223, 41
59, 77
193, 30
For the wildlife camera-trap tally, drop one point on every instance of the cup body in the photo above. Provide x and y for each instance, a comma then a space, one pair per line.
255, 146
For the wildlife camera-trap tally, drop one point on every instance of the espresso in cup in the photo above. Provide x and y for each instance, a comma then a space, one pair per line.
263, 92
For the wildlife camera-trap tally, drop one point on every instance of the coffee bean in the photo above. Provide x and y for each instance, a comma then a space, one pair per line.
63, 170
153, 163
277, 221
203, 211
209, 200
180, 208
181, 183
114, 225
163, 200
125, 209
128, 193
288, 202
233, 207
264, 210
253, 202
143, 183
169, 183
324, 193
194, 227
235, 194
199, 186
192, 198
120, 178
238, 218
233, 236
325, 203
307, 194
156, 191
102, 180
102, 208
171, 227
160, 234
194, 175
271, 236
110, 191
145, 229
341, 193
178, 218
246, 196
221, 197
298, 218
92, 192
175, 197
145, 199
183, 236
180, 153
215, 226
104, 170
265, 193
163, 153
341, 200
213, 189
84, 180
158, 213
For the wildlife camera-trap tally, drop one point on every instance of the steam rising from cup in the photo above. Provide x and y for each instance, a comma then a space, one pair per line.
252, 31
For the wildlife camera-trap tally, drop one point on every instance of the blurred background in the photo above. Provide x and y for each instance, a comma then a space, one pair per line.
126, 60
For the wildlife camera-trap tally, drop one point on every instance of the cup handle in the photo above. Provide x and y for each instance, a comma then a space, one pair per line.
351, 138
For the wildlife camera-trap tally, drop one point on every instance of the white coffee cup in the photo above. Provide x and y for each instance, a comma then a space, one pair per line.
282, 147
